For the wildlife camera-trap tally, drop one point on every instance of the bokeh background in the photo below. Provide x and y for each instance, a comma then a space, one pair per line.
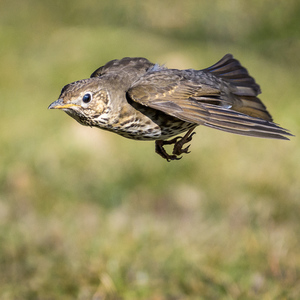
86, 214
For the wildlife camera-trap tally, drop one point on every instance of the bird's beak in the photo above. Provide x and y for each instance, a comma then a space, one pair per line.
58, 104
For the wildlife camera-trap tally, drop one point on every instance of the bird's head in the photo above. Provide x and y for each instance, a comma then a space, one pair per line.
84, 100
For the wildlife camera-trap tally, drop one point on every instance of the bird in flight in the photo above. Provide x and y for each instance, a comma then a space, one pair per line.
144, 101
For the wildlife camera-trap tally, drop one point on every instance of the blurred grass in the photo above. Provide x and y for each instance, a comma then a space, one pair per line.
85, 214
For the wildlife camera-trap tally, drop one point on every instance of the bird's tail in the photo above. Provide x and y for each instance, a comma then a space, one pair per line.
242, 86
248, 115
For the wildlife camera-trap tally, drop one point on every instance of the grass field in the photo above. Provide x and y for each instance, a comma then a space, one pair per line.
86, 214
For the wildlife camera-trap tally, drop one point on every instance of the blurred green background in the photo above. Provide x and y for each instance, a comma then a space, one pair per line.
86, 214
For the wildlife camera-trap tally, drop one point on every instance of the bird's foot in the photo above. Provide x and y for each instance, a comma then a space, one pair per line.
178, 144
160, 150
177, 150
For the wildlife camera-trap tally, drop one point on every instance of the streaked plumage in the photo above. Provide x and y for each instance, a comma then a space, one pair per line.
144, 101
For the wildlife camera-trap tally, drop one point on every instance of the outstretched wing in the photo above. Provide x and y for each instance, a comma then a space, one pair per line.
227, 104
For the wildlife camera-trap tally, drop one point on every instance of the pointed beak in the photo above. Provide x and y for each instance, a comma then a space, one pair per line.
58, 104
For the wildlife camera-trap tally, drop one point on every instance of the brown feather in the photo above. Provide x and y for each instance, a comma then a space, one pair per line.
222, 96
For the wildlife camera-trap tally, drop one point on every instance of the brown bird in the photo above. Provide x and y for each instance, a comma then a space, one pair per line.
144, 101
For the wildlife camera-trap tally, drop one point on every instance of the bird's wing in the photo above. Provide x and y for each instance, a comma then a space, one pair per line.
167, 91
171, 92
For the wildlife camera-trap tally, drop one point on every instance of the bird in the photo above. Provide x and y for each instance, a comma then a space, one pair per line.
141, 100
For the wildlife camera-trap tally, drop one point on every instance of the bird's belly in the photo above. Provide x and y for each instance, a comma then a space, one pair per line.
144, 123
153, 130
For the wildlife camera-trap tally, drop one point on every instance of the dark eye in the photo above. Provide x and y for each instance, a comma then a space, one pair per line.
87, 98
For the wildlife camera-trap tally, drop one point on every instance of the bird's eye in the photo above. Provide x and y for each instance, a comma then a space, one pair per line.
87, 98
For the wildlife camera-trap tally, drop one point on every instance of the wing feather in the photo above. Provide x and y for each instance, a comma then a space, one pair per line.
235, 122
183, 95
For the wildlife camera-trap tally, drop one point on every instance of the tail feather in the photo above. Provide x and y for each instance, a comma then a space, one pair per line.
243, 87
230, 69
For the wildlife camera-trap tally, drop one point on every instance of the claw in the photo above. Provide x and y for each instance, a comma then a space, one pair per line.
177, 150
186, 150
160, 150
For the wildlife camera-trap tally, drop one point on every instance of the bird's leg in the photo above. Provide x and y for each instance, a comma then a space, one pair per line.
177, 150
178, 143
159, 149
